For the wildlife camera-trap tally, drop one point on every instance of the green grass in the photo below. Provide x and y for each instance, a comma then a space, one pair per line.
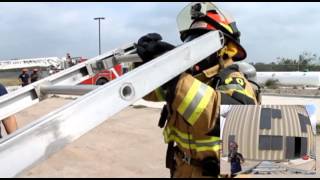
9, 82
271, 84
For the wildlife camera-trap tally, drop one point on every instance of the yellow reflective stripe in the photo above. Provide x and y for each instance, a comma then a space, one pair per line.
240, 81
227, 27
195, 101
189, 97
229, 91
181, 134
160, 94
179, 141
215, 148
166, 136
210, 144
228, 80
211, 139
168, 130
201, 106
170, 136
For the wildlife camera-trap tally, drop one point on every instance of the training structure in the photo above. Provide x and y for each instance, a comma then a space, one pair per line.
269, 132
45, 136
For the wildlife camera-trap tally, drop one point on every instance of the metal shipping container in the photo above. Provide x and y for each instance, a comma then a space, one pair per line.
269, 132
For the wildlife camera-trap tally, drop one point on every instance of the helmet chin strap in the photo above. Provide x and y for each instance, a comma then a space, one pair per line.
221, 63
222, 54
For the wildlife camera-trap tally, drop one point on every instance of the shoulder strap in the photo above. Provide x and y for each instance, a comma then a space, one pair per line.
170, 161
257, 90
222, 75
164, 116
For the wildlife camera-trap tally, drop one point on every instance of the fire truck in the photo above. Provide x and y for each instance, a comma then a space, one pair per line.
51, 65
102, 77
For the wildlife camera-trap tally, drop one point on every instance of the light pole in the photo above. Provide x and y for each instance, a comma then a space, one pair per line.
99, 18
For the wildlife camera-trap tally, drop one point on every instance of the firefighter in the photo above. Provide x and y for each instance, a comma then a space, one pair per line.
34, 76
24, 77
235, 158
191, 115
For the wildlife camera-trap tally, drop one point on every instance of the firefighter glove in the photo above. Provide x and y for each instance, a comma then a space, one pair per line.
151, 45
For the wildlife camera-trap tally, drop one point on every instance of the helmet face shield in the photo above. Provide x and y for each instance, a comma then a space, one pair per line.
185, 19
194, 35
205, 16
195, 10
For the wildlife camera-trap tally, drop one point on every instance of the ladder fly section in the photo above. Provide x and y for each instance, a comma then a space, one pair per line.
42, 138
31, 94
270, 167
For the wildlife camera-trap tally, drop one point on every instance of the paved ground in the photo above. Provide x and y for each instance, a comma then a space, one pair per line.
289, 91
289, 100
225, 169
225, 166
123, 146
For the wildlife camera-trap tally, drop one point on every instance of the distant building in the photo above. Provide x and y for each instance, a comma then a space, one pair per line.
269, 132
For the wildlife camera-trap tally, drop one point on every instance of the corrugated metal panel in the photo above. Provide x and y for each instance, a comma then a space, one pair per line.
244, 123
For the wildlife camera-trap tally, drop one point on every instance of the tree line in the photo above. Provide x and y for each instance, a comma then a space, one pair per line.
306, 61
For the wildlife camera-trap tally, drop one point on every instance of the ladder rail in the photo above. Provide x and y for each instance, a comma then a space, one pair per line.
40, 139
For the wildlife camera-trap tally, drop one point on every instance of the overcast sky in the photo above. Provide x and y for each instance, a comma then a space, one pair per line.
313, 113
269, 30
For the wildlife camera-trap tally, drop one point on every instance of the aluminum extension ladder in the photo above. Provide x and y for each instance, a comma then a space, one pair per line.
270, 167
38, 140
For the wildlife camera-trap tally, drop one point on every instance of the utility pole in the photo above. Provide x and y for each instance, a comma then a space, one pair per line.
99, 19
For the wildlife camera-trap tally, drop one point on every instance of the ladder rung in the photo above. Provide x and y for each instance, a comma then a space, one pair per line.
78, 90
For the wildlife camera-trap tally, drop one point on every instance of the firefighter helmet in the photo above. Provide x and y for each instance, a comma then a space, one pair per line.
201, 17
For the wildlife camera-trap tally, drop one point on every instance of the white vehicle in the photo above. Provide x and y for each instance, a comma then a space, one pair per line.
290, 78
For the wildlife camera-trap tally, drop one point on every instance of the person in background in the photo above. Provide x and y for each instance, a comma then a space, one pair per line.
24, 77
69, 60
10, 123
235, 158
34, 76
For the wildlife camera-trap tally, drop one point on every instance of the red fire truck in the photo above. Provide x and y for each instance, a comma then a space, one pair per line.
104, 76
101, 78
